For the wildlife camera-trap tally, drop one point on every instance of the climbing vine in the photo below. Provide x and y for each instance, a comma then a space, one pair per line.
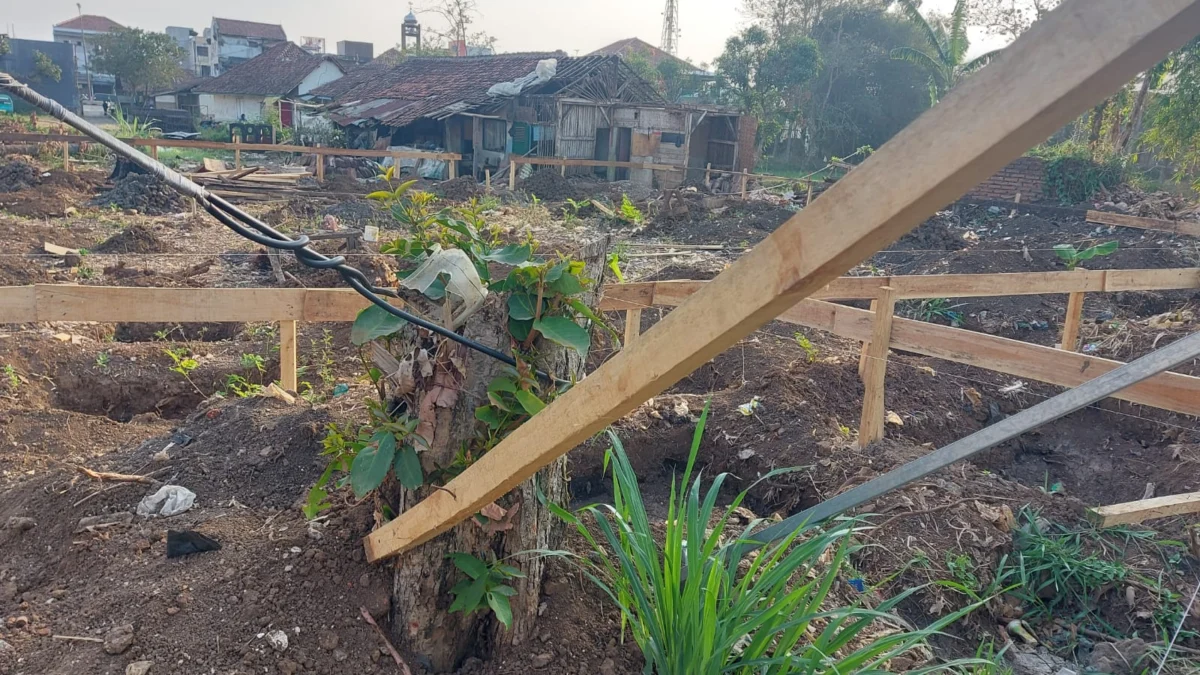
1074, 174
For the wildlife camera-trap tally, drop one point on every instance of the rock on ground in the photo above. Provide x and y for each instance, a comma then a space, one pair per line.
118, 639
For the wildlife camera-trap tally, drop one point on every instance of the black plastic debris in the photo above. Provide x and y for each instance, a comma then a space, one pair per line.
188, 542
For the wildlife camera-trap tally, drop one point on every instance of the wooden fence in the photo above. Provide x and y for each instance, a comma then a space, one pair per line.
236, 148
879, 330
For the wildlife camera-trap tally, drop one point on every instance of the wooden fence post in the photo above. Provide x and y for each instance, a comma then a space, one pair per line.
870, 428
810, 191
745, 182
633, 326
512, 175
708, 173
154, 151
487, 180
237, 152
1070, 336
67, 156
287, 355
320, 167
452, 168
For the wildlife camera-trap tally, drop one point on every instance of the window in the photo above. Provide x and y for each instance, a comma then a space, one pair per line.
205, 71
495, 135
201, 51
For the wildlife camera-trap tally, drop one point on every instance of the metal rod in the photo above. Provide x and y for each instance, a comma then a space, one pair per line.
1007, 429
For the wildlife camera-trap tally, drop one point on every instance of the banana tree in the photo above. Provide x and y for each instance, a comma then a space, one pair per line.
944, 52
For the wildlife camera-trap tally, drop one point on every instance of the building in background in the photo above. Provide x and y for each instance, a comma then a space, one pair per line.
313, 45
21, 62
239, 41
355, 52
284, 72
186, 39
410, 29
81, 33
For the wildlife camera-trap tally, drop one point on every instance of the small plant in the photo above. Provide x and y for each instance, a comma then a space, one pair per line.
85, 272
102, 360
133, 127
571, 209
184, 364
1072, 256
14, 380
694, 610
240, 386
253, 362
614, 264
810, 350
486, 586
629, 213
930, 309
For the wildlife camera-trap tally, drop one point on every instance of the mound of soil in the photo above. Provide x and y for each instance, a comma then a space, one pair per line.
548, 185
135, 239
460, 189
17, 175
144, 193
357, 212
195, 332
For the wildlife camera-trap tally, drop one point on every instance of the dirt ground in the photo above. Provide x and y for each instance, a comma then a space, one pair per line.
86, 587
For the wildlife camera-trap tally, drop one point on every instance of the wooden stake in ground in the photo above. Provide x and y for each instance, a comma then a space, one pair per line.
1070, 337
871, 427
1082, 51
287, 355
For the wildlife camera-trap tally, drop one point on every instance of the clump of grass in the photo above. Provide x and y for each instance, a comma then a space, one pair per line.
694, 610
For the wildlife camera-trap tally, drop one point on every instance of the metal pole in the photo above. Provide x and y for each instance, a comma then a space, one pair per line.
1007, 429
87, 60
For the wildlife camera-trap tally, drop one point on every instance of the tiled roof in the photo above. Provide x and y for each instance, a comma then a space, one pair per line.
634, 45
275, 72
396, 95
251, 29
90, 22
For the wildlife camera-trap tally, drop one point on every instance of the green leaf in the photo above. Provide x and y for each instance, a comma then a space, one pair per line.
519, 329
502, 384
372, 463
316, 502
1066, 252
500, 606
509, 571
374, 322
469, 564
468, 600
381, 195
568, 284
521, 306
555, 273
488, 415
1107, 248
530, 402
408, 468
510, 255
565, 332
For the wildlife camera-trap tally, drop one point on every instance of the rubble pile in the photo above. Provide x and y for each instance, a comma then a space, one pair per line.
143, 193
549, 185
17, 175
1161, 205
460, 189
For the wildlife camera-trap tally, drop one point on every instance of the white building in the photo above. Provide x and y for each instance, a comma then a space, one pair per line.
285, 72
239, 41
81, 33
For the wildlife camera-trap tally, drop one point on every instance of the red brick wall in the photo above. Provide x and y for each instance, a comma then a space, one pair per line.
1026, 175
747, 129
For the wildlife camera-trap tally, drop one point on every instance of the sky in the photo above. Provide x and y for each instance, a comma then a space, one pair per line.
574, 26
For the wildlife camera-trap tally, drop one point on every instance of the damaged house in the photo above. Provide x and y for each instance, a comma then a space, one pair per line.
285, 72
540, 105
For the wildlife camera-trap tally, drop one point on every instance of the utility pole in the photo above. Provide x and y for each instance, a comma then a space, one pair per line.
87, 61
670, 32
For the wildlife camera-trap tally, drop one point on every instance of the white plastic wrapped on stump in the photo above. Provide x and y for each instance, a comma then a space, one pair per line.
541, 74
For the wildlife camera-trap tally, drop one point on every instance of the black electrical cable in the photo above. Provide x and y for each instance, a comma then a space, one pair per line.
248, 226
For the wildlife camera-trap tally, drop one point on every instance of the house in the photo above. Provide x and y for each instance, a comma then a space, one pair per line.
199, 56
21, 61
356, 52
81, 33
546, 105
636, 46
239, 41
284, 72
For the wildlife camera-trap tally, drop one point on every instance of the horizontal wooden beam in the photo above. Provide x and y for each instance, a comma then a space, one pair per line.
53, 302
1079, 53
1145, 509
645, 294
1121, 220
230, 147
566, 161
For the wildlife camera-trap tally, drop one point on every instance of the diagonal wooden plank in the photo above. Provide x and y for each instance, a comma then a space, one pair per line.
1083, 51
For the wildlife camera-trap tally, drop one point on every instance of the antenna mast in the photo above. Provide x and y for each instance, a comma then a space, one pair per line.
670, 32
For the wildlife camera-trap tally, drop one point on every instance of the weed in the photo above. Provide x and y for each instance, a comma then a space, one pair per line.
930, 309
629, 213
486, 586
240, 386
810, 350
1072, 256
571, 209
253, 362
102, 360
14, 380
86, 272
184, 364
489, 203
1074, 173
692, 609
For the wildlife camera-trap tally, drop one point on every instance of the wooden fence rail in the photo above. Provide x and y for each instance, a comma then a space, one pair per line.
1170, 391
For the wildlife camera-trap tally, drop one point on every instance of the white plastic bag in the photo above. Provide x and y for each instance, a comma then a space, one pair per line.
170, 500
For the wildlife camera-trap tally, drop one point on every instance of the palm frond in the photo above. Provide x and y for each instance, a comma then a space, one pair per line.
979, 61
936, 70
959, 43
910, 9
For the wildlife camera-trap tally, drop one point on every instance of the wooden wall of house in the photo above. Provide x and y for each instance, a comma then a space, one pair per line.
577, 134
650, 126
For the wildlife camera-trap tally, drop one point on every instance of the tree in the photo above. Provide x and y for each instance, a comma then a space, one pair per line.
1174, 128
1010, 18
459, 15
767, 77
795, 17
4, 46
44, 68
141, 60
944, 53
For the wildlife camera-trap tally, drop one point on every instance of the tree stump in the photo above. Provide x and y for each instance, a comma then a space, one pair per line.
421, 622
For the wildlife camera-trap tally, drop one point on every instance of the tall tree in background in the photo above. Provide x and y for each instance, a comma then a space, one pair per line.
1010, 18
795, 17
1173, 132
459, 16
944, 52
768, 78
140, 59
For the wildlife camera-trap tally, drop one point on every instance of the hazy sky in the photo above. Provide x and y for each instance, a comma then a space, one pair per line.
520, 25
